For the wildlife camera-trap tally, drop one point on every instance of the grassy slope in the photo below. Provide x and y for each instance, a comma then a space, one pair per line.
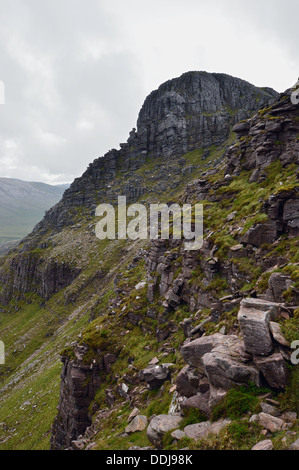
23, 205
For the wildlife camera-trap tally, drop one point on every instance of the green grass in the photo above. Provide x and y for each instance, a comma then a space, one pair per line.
27, 416
238, 402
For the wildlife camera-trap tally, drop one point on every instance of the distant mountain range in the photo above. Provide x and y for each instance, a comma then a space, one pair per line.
22, 206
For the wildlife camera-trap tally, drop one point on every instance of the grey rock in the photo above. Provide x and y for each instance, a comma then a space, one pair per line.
141, 448
263, 445
187, 382
270, 409
155, 375
254, 324
139, 423
77, 445
78, 388
274, 370
261, 233
278, 283
199, 402
224, 371
194, 351
269, 422
289, 416
198, 431
178, 434
277, 334
160, 425
295, 445
133, 414
224, 366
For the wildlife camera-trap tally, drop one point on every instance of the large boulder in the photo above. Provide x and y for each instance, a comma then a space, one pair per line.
224, 365
198, 431
187, 382
254, 317
269, 422
139, 423
194, 351
159, 426
278, 283
260, 234
274, 370
199, 402
263, 445
277, 334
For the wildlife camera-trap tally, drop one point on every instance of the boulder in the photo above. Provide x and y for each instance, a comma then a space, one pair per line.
263, 445
187, 382
269, 422
155, 375
178, 434
159, 426
133, 414
263, 305
278, 283
224, 366
254, 319
198, 431
199, 402
277, 334
260, 234
295, 445
139, 423
193, 351
270, 409
274, 370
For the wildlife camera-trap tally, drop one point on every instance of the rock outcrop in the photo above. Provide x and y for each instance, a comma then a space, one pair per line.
221, 362
196, 110
79, 383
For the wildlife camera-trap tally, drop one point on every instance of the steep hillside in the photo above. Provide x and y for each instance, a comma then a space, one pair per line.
162, 347
23, 204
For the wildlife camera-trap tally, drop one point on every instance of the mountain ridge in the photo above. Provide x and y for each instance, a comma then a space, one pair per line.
117, 311
23, 204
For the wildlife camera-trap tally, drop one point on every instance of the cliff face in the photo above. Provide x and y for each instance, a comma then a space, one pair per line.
194, 111
167, 330
218, 279
268, 138
197, 109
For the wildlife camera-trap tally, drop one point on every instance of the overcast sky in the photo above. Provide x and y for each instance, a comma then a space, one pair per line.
76, 72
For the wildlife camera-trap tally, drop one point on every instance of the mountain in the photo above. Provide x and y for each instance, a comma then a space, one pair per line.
141, 343
23, 204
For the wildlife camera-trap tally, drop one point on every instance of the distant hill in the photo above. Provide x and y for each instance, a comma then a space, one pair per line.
22, 206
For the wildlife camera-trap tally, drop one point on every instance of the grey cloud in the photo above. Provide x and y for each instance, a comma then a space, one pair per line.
76, 73
70, 87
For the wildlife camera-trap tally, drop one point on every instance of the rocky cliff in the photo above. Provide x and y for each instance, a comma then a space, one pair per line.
162, 346
250, 348
196, 110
